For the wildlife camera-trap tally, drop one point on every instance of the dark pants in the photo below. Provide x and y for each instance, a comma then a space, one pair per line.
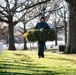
41, 49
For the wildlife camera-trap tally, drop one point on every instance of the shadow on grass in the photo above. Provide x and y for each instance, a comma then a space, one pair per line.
29, 69
40, 73
24, 66
66, 59
12, 73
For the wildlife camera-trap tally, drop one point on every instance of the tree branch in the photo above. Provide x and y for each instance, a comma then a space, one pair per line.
3, 20
27, 7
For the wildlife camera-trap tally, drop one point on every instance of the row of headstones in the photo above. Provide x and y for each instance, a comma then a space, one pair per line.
61, 48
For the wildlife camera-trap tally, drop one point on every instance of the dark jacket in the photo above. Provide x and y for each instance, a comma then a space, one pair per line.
43, 25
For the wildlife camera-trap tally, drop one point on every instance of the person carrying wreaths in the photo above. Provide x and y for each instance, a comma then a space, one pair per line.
41, 44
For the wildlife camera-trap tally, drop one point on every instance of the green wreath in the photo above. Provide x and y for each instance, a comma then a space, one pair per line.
42, 35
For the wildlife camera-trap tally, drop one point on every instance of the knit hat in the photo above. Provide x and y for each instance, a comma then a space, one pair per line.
42, 17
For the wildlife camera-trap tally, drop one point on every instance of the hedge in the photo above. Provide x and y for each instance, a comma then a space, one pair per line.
40, 35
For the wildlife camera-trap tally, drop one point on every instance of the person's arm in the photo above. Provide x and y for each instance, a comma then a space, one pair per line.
47, 26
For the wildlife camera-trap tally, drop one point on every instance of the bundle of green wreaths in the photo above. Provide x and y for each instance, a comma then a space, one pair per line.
40, 35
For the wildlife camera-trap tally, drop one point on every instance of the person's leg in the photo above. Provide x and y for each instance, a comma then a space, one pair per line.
42, 49
39, 49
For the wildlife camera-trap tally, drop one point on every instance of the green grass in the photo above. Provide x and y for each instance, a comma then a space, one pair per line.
28, 63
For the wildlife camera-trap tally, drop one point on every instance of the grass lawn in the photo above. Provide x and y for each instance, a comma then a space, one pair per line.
28, 63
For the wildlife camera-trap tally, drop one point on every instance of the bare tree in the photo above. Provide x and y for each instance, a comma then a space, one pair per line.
71, 42
10, 8
63, 15
38, 11
13, 12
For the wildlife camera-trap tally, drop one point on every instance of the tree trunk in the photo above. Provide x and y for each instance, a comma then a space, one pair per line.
56, 37
56, 30
11, 37
71, 40
65, 23
25, 47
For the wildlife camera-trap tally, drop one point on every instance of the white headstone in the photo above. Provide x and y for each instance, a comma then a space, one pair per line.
1, 47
